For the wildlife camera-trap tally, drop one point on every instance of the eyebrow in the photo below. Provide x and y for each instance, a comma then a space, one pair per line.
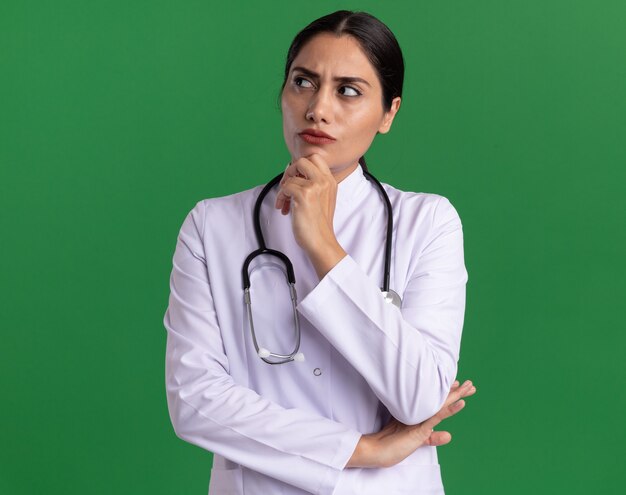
343, 79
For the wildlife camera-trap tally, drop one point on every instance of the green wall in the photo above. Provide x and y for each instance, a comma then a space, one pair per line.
116, 117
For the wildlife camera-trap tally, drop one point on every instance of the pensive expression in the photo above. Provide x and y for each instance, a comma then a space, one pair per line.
332, 103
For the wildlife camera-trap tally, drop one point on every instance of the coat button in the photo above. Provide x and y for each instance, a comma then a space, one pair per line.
317, 372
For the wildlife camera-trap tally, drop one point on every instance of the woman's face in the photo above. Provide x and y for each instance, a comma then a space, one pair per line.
332, 88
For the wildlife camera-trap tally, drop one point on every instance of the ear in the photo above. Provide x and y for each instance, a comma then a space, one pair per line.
389, 116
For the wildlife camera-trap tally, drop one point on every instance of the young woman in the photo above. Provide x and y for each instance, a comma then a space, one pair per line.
328, 385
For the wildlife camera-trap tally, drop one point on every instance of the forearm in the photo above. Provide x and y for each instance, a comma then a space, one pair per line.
409, 356
410, 368
209, 410
362, 455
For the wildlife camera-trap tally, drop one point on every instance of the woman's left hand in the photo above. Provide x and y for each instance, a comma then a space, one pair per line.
396, 441
308, 190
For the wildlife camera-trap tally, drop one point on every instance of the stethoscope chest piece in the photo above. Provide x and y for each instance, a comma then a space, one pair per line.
392, 297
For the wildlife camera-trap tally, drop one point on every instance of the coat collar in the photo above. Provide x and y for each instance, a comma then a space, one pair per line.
352, 186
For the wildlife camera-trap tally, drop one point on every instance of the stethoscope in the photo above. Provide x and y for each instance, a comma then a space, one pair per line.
390, 296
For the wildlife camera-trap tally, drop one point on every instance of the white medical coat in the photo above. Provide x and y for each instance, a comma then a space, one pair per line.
291, 428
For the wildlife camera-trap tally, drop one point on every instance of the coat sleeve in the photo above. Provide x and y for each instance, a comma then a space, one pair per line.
208, 409
409, 356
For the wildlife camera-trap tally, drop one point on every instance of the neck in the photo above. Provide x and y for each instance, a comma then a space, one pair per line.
342, 173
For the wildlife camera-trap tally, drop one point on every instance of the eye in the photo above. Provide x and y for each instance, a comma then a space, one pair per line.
302, 82
349, 91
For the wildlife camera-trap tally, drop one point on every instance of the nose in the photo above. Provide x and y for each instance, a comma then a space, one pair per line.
320, 107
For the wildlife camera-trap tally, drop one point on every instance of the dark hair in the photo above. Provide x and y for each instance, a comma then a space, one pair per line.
376, 40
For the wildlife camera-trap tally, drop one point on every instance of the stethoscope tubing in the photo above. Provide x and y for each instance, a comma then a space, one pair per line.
390, 296
388, 239
257, 210
290, 273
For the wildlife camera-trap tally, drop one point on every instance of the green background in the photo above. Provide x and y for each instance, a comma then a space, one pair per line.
116, 117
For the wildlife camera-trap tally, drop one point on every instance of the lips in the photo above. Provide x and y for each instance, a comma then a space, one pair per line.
313, 136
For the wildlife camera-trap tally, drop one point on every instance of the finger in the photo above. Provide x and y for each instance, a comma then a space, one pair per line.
286, 207
444, 412
320, 163
451, 410
467, 389
290, 171
282, 200
431, 422
283, 196
438, 438
470, 391
303, 167
302, 190
295, 181
293, 188
459, 392
464, 385
311, 167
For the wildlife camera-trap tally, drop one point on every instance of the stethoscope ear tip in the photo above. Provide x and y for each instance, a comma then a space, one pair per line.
299, 358
264, 353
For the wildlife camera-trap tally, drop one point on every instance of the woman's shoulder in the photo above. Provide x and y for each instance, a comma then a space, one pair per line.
421, 205
230, 209
229, 204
